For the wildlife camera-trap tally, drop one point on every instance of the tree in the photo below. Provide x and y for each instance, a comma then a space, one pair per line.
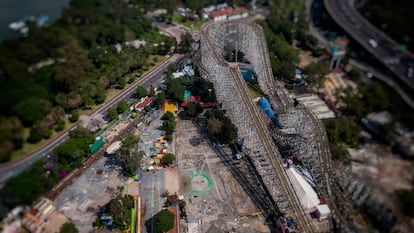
129, 155
11, 136
168, 159
121, 83
22, 189
171, 69
112, 113
193, 109
220, 128
74, 116
120, 208
316, 72
60, 125
47, 133
405, 199
147, 108
169, 126
68, 228
186, 41
38, 110
122, 106
164, 220
167, 116
35, 135
141, 92
214, 126
175, 89
159, 99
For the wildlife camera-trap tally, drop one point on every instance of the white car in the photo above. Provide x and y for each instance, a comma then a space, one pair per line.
373, 43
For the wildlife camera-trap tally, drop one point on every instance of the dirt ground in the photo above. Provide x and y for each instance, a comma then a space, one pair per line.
171, 180
212, 194
80, 201
55, 221
386, 172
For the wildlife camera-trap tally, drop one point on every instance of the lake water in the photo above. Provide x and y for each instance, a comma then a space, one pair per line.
14, 10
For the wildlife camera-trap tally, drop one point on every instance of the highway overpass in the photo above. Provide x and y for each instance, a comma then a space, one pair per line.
385, 49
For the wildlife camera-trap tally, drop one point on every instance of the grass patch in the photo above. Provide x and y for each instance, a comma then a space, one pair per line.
254, 92
187, 22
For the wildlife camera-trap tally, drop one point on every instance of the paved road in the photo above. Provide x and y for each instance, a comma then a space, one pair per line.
387, 51
153, 77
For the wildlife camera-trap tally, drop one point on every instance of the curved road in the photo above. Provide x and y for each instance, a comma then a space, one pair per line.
11, 169
387, 51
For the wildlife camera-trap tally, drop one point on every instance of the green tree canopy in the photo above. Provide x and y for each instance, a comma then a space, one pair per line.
112, 113
175, 89
167, 116
122, 106
316, 72
220, 128
129, 155
168, 159
120, 208
68, 228
22, 189
74, 116
193, 109
186, 41
34, 136
141, 92
169, 126
164, 220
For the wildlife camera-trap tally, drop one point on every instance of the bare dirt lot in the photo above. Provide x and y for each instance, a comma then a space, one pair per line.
80, 201
213, 196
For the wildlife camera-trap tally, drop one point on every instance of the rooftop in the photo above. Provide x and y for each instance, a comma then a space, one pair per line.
228, 11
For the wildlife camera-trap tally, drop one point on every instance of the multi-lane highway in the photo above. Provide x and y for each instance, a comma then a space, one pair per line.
153, 77
385, 49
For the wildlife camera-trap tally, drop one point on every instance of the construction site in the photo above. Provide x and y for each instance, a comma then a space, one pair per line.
286, 167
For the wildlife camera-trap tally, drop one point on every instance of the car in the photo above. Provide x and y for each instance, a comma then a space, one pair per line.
373, 43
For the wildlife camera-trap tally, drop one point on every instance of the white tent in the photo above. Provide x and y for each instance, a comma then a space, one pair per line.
307, 196
322, 211
113, 147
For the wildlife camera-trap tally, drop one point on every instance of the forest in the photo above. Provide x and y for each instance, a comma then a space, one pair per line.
67, 66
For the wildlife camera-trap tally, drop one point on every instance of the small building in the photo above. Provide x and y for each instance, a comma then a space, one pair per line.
316, 105
146, 101
229, 14
170, 107
96, 145
38, 214
322, 212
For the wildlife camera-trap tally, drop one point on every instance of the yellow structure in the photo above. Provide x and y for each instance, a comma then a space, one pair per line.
170, 107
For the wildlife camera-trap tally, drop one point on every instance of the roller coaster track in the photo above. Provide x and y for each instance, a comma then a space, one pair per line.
273, 154
250, 182
270, 148
325, 160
